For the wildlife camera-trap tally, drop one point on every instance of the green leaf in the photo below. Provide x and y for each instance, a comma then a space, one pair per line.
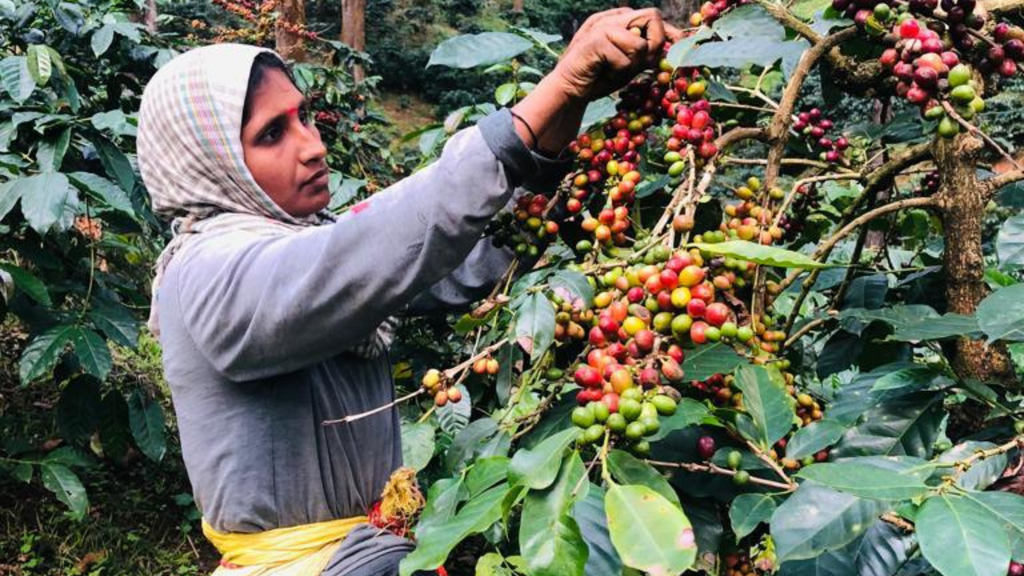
103, 190
16, 78
113, 121
1001, 314
806, 9
865, 480
913, 377
767, 403
92, 352
417, 444
22, 471
535, 324
433, 547
597, 111
949, 325
882, 551
454, 416
78, 410
814, 437
816, 518
471, 50
67, 487
1010, 242
748, 511
960, 538
485, 473
115, 163
1008, 508
905, 425
710, 359
749, 21
689, 412
760, 254
343, 189
114, 427
147, 423
855, 398
27, 282
101, 40
116, 321
51, 151
649, 532
590, 515
681, 50
506, 93
508, 355
45, 198
742, 52
549, 538
43, 352
627, 469
575, 284
982, 473
539, 36
40, 65
537, 468
9, 196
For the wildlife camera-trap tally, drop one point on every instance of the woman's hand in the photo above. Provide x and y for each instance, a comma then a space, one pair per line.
605, 54
610, 49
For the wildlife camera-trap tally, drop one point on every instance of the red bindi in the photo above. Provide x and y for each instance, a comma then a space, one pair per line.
292, 111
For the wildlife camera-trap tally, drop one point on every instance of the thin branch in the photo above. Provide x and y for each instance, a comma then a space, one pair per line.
992, 185
803, 330
974, 130
869, 216
361, 415
711, 468
740, 134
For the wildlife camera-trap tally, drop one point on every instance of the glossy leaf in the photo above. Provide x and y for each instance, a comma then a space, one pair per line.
417, 444
78, 410
1010, 242
537, 468
1001, 314
146, 419
909, 379
627, 469
750, 510
575, 284
767, 403
905, 425
485, 473
103, 190
43, 352
40, 65
101, 39
27, 282
549, 538
863, 479
535, 324
44, 199
689, 412
454, 416
592, 520
92, 352
1008, 509
960, 538
649, 532
814, 437
67, 487
114, 428
16, 78
433, 546
754, 252
709, 359
816, 518
471, 50
982, 473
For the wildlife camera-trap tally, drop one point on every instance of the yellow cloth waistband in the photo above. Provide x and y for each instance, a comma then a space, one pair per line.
303, 549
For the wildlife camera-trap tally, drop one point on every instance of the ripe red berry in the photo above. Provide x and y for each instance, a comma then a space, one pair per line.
910, 29
706, 447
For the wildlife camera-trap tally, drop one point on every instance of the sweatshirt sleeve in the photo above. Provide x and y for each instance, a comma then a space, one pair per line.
262, 306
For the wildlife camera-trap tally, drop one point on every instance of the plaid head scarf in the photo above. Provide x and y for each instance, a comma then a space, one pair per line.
191, 160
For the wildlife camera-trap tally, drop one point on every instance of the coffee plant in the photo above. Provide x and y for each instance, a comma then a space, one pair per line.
747, 335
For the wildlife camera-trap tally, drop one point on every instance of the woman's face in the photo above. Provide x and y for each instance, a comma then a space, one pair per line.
282, 147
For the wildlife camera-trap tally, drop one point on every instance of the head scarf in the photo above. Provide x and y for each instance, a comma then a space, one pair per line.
191, 160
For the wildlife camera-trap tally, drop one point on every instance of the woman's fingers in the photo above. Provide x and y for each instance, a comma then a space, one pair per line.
632, 47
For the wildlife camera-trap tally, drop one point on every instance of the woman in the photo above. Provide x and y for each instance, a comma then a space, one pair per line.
271, 313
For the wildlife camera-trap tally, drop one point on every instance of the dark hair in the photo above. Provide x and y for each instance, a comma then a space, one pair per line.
264, 62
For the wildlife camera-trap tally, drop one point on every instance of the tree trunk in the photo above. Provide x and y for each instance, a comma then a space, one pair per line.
292, 16
962, 201
151, 13
353, 31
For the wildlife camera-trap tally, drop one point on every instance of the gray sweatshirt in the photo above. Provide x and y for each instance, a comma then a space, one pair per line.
253, 329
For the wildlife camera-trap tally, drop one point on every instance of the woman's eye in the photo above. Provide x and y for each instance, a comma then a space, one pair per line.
305, 115
271, 134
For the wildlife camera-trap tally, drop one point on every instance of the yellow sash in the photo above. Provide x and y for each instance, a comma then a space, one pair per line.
301, 550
